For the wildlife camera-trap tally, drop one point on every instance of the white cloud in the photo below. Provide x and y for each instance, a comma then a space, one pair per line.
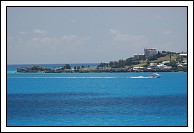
42, 40
74, 38
55, 48
113, 31
70, 38
167, 32
158, 17
128, 38
22, 33
66, 40
39, 31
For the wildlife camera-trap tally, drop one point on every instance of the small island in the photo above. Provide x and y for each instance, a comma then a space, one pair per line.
151, 61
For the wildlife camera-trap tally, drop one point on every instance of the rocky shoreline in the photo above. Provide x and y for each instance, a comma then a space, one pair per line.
39, 69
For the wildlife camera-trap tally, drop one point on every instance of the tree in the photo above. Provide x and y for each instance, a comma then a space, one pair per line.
111, 63
128, 62
78, 67
147, 62
67, 66
173, 64
102, 65
179, 58
75, 68
115, 64
121, 63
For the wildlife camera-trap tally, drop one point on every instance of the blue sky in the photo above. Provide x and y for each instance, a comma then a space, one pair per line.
40, 35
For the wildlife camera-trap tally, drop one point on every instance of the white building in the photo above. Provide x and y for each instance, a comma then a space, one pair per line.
164, 67
165, 62
138, 68
153, 64
183, 54
148, 52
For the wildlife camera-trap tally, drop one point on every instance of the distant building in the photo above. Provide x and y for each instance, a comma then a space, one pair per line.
139, 57
165, 62
138, 69
164, 67
153, 64
148, 52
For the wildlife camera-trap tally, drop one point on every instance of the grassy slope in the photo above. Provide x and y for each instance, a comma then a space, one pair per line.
159, 60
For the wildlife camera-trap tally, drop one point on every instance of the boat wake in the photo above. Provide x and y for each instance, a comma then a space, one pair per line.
68, 77
141, 77
154, 75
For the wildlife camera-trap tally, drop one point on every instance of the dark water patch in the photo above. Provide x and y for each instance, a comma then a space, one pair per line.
95, 99
58, 104
51, 95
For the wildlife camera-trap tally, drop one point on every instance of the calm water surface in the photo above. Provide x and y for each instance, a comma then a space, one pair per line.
96, 99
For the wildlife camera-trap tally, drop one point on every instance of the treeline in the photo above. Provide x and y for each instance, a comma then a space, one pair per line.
119, 64
63, 69
67, 66
79, 67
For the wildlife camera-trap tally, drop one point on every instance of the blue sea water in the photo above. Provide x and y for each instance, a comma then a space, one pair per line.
96, 99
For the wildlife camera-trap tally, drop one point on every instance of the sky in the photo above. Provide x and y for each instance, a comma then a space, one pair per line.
52, 35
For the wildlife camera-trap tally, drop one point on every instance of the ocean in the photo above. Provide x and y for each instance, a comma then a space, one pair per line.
96, 99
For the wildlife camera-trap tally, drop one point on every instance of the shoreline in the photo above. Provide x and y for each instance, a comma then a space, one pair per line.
38, 69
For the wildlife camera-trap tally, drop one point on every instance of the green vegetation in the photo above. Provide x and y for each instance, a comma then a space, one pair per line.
172, 57
162, 61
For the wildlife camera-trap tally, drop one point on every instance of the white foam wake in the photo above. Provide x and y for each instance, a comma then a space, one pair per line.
67, 77
140, 77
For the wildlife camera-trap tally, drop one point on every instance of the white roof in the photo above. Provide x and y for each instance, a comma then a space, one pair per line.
183, 54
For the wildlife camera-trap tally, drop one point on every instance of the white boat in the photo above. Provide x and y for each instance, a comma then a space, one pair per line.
154, 75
